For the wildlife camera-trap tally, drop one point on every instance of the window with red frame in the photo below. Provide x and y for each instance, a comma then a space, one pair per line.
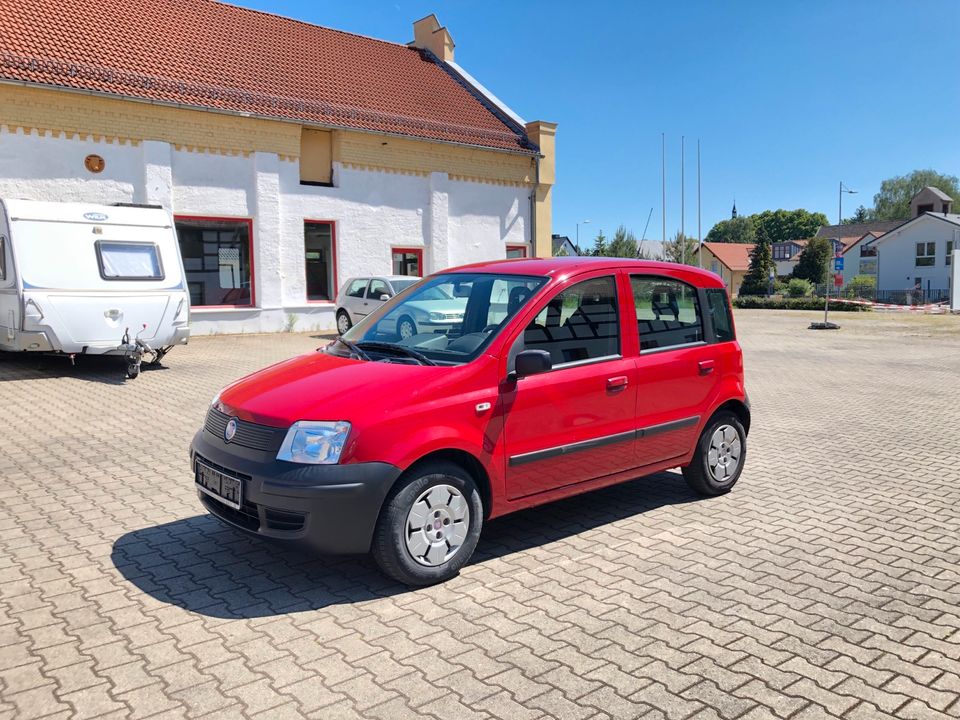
320, 260
408, 261
216, 258
516, 251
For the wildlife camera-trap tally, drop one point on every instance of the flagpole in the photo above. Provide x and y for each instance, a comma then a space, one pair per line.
683, 237
699, 240
663, 185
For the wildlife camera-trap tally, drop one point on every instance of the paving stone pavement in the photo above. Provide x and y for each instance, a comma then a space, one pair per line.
825, 585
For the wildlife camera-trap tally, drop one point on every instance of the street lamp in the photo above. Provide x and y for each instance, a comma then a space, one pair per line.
839, 249
582, 222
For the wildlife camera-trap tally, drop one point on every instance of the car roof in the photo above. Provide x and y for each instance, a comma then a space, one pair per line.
567, 266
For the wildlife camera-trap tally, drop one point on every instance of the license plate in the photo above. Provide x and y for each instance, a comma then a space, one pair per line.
214, 483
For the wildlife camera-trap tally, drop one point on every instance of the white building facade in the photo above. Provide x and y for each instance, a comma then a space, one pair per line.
274, 211
916, 259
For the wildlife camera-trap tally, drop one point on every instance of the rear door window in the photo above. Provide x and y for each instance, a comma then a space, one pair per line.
129, 260
720, 315
668, 312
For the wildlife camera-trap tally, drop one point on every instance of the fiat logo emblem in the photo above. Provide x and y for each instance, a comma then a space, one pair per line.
230, 430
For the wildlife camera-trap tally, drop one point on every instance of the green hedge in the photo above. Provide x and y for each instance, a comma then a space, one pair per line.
805, 303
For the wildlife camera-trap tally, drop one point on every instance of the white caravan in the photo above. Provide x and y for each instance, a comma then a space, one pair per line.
91, 279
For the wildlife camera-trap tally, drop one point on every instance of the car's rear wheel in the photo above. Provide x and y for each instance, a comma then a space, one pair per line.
718, 460
343, 321
429, 525
406, 327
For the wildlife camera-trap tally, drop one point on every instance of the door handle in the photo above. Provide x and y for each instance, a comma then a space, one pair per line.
706, 367
615, 383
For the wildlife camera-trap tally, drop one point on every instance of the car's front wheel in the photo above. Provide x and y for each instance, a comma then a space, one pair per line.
343, 322
406, 327
429, 525
718, 460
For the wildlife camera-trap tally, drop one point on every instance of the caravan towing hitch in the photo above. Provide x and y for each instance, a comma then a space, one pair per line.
133, 352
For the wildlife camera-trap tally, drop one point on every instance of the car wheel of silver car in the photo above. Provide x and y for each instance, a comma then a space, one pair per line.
721, 452
429, 525
406, 327
343, 322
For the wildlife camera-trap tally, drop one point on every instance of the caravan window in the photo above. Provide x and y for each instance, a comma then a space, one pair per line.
3, 258
129, 260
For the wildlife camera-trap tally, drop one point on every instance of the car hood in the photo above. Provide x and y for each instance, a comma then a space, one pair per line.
318, 386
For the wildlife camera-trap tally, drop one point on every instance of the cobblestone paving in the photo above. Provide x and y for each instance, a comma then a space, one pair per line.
825, 585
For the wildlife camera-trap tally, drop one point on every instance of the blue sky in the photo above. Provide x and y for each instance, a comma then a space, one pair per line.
787, 98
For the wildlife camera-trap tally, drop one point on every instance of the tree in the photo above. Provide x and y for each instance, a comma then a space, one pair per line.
600, 245
623, 245
755, 282
734, 230
681, 249
893, 200
814, 261
860, 215
783, 225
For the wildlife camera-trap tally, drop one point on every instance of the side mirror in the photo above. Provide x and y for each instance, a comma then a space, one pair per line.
532, 362
385, 297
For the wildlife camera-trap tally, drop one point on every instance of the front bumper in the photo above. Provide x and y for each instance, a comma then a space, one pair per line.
329, 508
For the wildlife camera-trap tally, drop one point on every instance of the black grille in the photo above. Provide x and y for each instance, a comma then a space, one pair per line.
249, 435
246, 517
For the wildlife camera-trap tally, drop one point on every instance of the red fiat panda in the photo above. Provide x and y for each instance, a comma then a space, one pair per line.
543, 379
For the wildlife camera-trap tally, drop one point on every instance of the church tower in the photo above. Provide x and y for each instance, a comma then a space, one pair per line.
733, 215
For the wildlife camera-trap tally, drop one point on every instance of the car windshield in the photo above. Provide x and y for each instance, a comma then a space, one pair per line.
447, 318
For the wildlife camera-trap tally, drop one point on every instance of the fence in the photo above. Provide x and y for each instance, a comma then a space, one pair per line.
920, 296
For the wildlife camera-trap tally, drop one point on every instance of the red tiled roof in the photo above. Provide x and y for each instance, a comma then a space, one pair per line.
211, 55
735, 256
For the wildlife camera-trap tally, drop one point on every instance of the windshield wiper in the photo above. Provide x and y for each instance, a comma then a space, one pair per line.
402, 349
352, 347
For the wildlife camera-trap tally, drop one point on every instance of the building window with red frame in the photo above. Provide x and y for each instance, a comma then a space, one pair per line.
408, 261
516, 251
217, 260
320, 259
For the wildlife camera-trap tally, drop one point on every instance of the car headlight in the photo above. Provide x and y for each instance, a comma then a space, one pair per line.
314, 443
216, 399
436, 317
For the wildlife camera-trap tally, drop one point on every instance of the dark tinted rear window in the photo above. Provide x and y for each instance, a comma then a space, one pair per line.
720, 314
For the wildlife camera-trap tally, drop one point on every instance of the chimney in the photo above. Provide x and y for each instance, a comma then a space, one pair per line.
428, 34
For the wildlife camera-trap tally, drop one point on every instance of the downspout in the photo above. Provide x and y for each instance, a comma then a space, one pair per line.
533, 206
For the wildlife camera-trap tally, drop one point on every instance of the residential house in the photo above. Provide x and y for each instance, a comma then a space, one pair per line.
728, 260
860, 257
563, 245
914, 261
291, 155
786, 254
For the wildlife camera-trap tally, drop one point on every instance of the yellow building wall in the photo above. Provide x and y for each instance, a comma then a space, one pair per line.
103, 118
731, 278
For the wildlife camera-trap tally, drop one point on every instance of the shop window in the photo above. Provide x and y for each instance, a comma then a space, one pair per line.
217, 258
316, 157
516, 251
408, 261
320, 260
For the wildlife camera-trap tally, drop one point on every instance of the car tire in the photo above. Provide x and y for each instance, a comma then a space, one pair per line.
343, 321
436, 497
408, 322
719, 457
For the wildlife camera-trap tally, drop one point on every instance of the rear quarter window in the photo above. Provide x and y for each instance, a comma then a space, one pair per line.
719, 307
129, 260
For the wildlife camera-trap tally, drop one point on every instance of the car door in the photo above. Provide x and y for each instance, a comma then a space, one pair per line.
676, 372
355, 298
575, 422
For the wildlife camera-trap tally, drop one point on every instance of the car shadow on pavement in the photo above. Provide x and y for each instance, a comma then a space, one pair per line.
106, 369
203, 566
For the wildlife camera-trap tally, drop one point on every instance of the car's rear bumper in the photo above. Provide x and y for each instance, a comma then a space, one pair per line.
330, 508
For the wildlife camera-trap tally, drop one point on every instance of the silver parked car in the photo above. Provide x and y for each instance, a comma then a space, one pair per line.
435, 309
